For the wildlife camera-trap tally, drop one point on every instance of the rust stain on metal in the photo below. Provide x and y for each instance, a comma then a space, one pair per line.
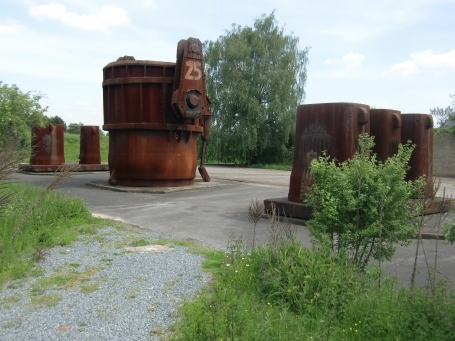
330, 127
90, 146
418, 128
47, 145
154, 112
385, 126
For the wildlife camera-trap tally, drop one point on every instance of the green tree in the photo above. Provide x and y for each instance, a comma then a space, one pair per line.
18, 112
361, 206
74, 128
445, 118
255, 78
58, 120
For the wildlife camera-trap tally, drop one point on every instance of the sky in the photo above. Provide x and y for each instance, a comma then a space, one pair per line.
390, 54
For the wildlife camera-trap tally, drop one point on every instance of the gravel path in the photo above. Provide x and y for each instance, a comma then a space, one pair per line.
97, 289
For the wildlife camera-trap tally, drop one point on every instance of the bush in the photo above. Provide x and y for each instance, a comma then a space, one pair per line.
361, 206
18, 112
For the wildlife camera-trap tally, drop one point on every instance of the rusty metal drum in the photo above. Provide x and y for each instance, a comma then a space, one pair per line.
47, 145
152, 131
90, 146
385, 126
330, 127
418, 128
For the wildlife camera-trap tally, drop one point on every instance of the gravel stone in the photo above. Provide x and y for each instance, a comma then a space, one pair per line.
138, 294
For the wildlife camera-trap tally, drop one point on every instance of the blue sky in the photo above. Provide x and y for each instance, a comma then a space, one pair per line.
396, 54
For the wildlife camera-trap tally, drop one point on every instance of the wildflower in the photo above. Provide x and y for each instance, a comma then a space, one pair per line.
227, 264
236, 270
268, 303
248, 265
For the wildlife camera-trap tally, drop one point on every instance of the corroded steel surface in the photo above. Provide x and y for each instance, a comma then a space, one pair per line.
152, 157
330, 127
154, 112
385, 126
90, 145
47, 145
418, 128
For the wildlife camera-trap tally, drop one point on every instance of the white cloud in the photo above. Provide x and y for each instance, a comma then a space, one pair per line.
106, 17
353, 59
348, 60
425, 59
10, 29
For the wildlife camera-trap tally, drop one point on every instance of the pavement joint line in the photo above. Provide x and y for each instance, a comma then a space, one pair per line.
197, 185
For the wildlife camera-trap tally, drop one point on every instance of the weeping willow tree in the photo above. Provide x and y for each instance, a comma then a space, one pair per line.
255, 78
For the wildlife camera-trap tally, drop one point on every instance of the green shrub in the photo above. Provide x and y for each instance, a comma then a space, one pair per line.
361, 206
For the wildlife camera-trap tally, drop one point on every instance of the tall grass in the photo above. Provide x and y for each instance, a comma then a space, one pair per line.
283, 291
57, 220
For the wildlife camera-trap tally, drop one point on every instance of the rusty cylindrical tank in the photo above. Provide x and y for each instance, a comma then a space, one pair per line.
385, 126
418, 128
331, 127
154, 116
47, 145
90, 146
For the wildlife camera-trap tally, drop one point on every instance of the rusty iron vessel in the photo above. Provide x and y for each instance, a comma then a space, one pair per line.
90, 146
418, 128
385, 126
330, 127
154, 112
47, 146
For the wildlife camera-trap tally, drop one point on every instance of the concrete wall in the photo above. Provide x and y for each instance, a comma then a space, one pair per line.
444, 155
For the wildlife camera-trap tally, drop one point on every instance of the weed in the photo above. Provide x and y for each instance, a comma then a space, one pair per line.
49, 300
154, 307
89, 288
8, 301
139, 242
65, 279
132, 293
13, 323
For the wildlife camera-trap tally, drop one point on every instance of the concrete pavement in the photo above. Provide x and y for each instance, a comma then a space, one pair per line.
213, 214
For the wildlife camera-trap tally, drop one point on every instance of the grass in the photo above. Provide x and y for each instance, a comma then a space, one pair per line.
65, 279
277, 166
57, 220
72, 147
49, 300
283, 291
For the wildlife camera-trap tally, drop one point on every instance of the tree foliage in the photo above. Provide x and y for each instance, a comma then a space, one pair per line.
445, 118
255, 78
58, 120
361, 206
74, 128
18, 112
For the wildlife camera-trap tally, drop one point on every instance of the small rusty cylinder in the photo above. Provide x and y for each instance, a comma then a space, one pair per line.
90, 146
330, 127
385, 126
418, 128
47, 145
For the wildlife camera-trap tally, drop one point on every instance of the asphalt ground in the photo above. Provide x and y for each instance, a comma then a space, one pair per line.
214, 213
